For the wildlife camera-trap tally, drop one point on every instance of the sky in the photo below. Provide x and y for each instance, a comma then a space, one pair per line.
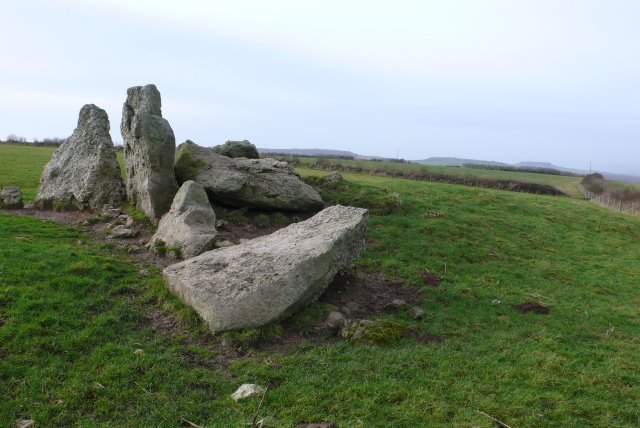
504, 80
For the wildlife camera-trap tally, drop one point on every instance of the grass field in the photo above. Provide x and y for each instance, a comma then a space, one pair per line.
21, 166
566, 184
73, 313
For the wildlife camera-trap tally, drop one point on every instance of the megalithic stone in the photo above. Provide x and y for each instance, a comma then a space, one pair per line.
149, 152
269, 278
84, 172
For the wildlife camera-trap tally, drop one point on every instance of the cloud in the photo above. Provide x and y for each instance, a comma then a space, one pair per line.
14, 97
458, 38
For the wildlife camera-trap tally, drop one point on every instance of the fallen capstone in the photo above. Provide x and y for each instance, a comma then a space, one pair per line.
237, 149
270, 277
149, 152
83, 173
11, 198
254, 183
190, 224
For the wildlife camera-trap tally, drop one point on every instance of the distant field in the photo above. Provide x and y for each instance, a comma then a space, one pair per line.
22, 166
619, 185
74, 312
568, 185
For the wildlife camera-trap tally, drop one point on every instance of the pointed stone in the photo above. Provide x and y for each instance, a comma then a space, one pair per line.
84, 172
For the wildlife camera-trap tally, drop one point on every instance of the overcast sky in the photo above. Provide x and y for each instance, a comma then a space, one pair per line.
505, 80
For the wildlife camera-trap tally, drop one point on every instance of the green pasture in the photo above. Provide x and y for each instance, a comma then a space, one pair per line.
566, 184
74, 311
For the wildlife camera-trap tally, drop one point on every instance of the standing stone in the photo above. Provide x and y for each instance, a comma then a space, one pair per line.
237, 149
190, 224
149, 152
11, 198
268, 278
83, 172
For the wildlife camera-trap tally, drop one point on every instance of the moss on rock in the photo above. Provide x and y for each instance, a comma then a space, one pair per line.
373, 332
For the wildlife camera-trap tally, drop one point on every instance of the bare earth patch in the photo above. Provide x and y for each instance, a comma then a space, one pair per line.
66, 217
535, 307
373, 291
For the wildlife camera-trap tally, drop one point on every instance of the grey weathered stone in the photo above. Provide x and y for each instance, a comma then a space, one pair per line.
417, 312
335, 319
268, 278
128, 221
11, 198
247, 390
398, 303
237, 149
255, 183
352, 308
122, 231
83, 172
149, 152
25, 423
190, 224
223, 244
111, 212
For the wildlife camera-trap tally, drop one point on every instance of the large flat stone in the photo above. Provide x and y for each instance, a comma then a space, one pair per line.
255, 183
270, 277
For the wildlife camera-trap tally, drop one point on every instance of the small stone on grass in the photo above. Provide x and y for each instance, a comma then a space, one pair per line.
416, 312
247, 390
24, 423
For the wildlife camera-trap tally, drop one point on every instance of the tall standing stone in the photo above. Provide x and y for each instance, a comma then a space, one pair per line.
149, 152
83, 172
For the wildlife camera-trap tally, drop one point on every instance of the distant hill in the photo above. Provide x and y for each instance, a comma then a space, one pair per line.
311, 152
621, 177
449, 161
549, 165
612, 176
439, 161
